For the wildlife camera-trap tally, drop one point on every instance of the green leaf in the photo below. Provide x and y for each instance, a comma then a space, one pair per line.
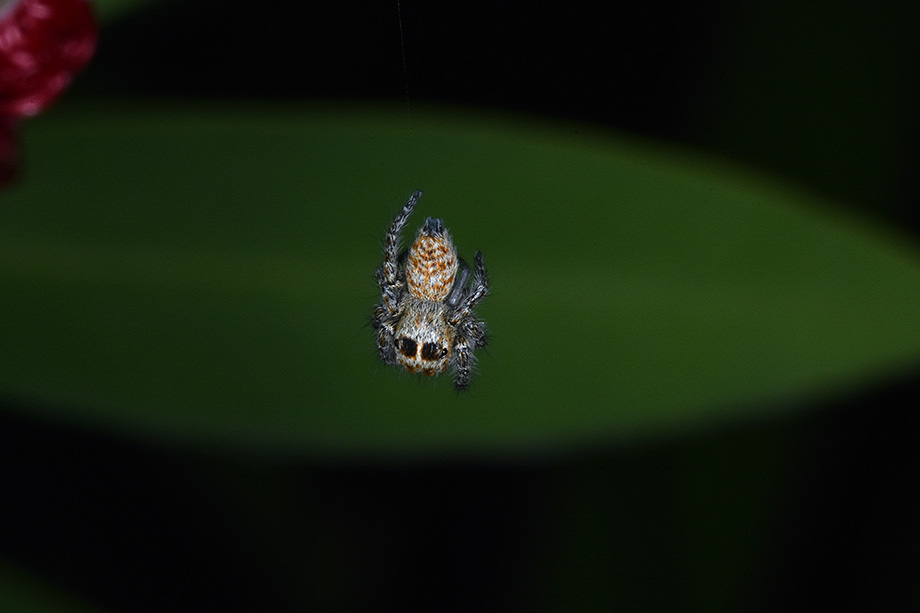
23, 593
109, 10
206, 274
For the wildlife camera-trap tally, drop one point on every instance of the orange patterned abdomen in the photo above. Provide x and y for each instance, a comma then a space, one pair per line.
432, 263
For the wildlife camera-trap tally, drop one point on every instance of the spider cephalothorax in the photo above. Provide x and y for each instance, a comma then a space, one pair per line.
425, 320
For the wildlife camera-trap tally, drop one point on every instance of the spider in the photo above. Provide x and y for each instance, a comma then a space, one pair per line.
425, 320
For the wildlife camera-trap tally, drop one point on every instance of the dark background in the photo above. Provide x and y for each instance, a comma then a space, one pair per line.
826, 95
810, 510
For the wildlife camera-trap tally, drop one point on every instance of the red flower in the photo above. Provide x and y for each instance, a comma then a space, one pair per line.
43, 44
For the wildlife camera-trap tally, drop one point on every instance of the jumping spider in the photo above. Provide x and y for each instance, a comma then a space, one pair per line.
425, 320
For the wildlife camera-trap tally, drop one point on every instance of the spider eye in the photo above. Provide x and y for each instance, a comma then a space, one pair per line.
430, 351
407, 346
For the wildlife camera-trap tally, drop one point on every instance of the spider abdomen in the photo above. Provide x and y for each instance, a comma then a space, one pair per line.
432, 263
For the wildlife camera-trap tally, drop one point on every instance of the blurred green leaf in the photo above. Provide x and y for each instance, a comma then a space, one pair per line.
22, 593
207, 274
109, 10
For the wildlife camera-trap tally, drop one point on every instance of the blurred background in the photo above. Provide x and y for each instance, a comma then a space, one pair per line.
810, 507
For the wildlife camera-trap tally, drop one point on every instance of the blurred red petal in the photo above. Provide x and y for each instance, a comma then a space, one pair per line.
43, 44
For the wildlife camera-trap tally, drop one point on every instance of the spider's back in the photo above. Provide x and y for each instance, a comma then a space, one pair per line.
431, 266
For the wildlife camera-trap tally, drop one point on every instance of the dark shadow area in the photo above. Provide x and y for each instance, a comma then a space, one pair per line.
758, 517
824, 95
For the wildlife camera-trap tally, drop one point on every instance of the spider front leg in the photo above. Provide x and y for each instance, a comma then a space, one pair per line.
463, 362
388, 273
386, 335
471, 334
475, 332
